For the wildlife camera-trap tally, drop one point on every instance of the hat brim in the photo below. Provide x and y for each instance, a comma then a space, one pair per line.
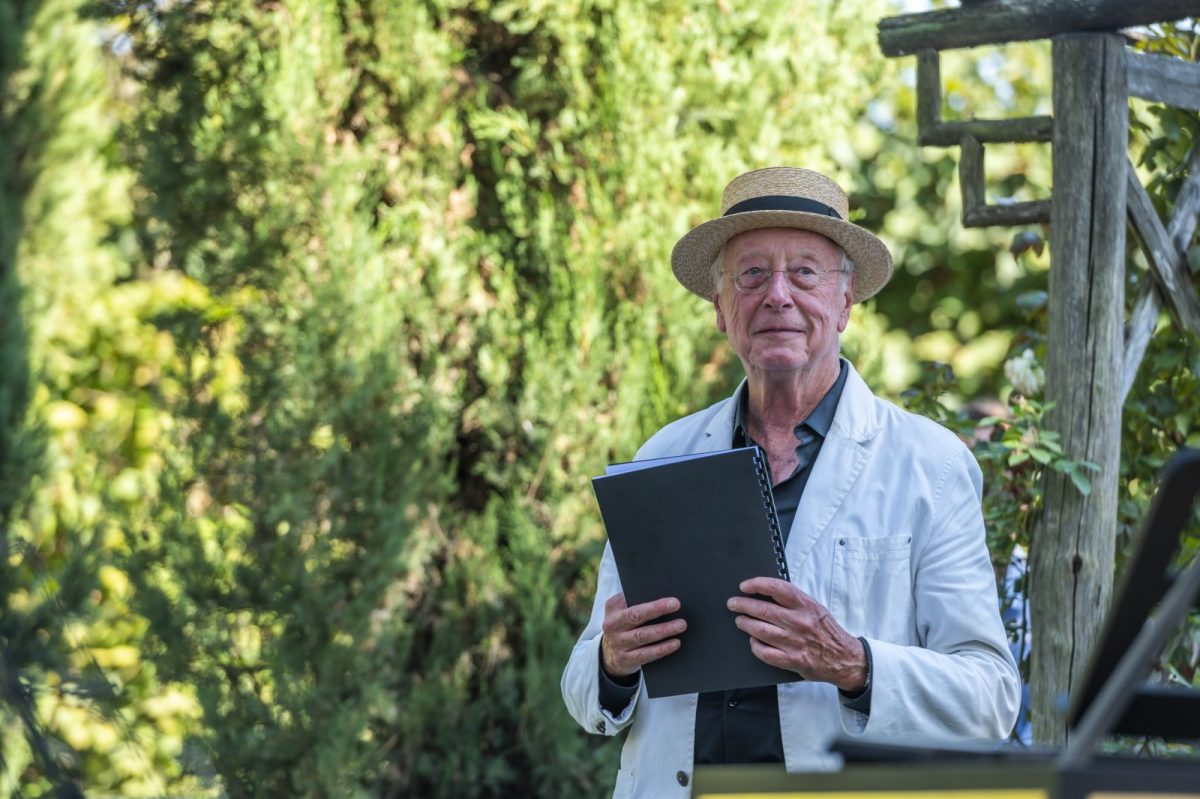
693, 255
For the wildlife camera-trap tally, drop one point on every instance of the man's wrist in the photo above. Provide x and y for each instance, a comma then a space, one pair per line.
865, 687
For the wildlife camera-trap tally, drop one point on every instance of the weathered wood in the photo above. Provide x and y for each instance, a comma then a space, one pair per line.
970, 174
1072, 553
929, 91
1168, 261
1149, 303
975, 210
1138, 333
1020, 20
1013, 214
1162, 79
1187, 205
1021, 129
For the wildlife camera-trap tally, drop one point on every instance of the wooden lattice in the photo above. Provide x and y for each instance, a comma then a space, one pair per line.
1093, 354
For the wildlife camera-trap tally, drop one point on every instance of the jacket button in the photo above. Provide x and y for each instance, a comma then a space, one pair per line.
600, 727
681, 777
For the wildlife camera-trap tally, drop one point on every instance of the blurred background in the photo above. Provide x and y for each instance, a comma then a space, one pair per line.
317, 316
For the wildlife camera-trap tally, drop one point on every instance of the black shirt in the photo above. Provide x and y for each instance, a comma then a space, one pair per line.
742, 726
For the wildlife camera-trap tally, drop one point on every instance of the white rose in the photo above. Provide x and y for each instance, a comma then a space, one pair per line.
1025, 373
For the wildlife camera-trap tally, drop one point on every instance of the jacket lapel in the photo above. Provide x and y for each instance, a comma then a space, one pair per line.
718, 433
842, 458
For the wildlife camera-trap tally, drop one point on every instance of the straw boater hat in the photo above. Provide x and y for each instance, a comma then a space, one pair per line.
781, 196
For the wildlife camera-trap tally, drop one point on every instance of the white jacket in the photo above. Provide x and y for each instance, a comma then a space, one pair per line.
889, 536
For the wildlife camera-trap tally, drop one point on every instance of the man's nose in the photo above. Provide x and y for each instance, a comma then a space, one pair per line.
779, 289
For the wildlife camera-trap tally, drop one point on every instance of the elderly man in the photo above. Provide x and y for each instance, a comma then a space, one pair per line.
891, 615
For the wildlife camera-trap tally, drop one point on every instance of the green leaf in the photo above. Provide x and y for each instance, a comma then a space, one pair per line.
1050, 445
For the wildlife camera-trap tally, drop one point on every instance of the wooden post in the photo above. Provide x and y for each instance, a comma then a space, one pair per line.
1073, 544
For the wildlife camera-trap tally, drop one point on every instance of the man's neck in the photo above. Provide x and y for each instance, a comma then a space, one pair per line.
777, 402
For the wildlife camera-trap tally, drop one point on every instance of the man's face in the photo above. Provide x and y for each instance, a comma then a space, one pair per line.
780, 327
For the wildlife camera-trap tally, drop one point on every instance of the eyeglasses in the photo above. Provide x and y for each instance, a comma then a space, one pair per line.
756, 279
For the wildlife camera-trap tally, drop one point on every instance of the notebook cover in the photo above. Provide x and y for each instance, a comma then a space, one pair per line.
695, 529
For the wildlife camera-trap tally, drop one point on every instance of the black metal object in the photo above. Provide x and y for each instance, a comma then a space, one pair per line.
1113, 695
1016, 776
1161, 711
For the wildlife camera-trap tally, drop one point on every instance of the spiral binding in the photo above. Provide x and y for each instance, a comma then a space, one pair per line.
764, 487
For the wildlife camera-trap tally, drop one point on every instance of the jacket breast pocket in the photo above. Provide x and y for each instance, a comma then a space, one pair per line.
872, 587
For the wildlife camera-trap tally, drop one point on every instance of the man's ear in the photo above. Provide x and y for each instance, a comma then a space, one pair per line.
720, 313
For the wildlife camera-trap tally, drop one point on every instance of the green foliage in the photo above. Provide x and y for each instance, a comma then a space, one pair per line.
317, 316
952, 295
373, 289
81, 439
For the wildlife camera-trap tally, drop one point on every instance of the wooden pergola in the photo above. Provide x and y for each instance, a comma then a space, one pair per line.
1093, 351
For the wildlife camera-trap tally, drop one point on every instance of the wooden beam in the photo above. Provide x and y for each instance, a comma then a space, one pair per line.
1011, 215
1187, 207
1071, 566
929, 91
970, 175
975, 210
1187, 204
1020, 20
1149, 303
1163, 79
1138, 333
1168, 261
1022, 129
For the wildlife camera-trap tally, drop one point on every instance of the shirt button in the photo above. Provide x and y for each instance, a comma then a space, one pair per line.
600, 728
681, 777
733, 702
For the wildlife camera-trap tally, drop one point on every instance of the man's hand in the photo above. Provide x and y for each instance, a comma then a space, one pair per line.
629, 642
800, 634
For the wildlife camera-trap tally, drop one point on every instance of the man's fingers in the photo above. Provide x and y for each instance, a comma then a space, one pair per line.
758, 608
651, 633
629, 641
617, 619
634, 659
623, 656
648, 611
770, 655
762, 631
781, 591
614, 603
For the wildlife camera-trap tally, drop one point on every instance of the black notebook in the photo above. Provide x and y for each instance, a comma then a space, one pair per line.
694, 527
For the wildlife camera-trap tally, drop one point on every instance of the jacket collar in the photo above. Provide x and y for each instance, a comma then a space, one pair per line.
842, 458
855, 417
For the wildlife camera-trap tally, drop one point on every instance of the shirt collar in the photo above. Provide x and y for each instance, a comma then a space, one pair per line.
819, 421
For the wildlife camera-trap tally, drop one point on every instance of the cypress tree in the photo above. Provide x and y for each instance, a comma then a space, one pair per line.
392, 286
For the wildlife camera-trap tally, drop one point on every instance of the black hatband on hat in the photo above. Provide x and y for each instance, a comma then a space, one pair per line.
782, 202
